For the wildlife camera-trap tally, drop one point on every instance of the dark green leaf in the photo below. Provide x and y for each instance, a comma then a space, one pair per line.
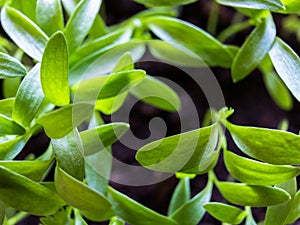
287, 65
60, 122
80, 196
157, 93
252, 195
2, 212
254, 49
27, 35
184, 34
81, 22
29, 98
69, 154
55, 69
133, 212
192, 212
11, 67
267, 145
9, 127
6, 106
225, 213
49, 16
181, 195
257, 173
23, 194
179, 152
156, 3
254, 4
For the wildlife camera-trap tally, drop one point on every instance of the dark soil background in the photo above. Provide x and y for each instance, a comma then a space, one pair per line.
253, 106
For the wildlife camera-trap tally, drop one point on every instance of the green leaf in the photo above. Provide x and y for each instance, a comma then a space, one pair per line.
81, 22
287, 65
179, 152
55, 69
10, 87
254, 4
69, 154
108, 85
177, 32
2, 212
294, 214
110, 105
27, 35
11, 67
124, 63
133, 212
97, 139
59, 123
181, 195
252, 195
33, 170
78, 218
249, 220
29, 98
267, 145
9, 127
225, 213
80, 196
61, 217
174, 55
257, 173
12, 147
6, 106
291, 6
158, 94
255, 48
192, 212
116, 221
49, 16
157, 3
26, 7
18, 191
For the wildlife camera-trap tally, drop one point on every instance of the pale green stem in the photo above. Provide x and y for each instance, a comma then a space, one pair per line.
212, 22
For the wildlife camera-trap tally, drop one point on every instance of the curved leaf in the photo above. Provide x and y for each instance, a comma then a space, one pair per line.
9, 127
110, 105
27, 35
252, 195
6, 106
12, 147
254, 4
294, 214
11, 67
257, 173
27, 8
55, 69
156, 3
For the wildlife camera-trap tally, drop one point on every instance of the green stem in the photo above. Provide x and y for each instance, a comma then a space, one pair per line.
212, 22
17, 218
232, 30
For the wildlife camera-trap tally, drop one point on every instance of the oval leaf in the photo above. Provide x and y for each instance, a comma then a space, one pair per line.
55, 69
287, 65
11, 67
9, 127
267, 145
254, 49
257, 173
252, 195
254, 4
179, 152
225, 213
27, 35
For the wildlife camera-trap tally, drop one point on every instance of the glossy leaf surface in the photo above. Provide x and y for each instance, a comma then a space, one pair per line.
11, 67
9, 127
156, 3
254, 4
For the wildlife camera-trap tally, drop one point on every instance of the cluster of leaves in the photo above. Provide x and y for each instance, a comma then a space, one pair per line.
58, 75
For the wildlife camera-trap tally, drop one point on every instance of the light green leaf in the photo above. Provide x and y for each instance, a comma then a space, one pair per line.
257, 173
6, 106
49, 16
59, 123
27, 35
267, 145
11, 67
157, 93
249, 220
125, 63
225, 213
70, 5
10, 87
80, 196
177, 32
179, 152
110, 105
157, 3
133, 212
97, 139
291, 6
29, 98
252, 195
294, 214
55, 69
33, 170
192, 212
26, 7
81, 22
108, 85
181, 195
60, 217
254, 4
287, 65
174, 54
69, 154
78, 218
255, 48
12, 147
9, 127
18, 191
116, 221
